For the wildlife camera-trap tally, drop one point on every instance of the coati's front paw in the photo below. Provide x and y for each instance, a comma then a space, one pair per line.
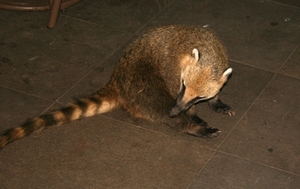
229, 112
211, 132
205, 132
225, 109
220, 107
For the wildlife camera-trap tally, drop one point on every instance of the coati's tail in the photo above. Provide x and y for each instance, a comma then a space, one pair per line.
101, 102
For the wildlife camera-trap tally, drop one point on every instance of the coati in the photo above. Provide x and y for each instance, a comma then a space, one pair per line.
160, 77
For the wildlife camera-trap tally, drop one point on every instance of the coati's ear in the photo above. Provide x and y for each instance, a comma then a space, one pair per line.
196, 54
227, 73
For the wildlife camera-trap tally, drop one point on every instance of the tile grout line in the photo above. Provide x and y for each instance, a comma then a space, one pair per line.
29, 94
35, 96
263, 69
265, 165
283, 4
252, 66
288, 58
203, 167
218, 147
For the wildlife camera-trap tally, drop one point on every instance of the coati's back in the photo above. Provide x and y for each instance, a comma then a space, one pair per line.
166, 48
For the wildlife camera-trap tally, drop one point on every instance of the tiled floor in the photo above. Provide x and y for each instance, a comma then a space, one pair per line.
42, 69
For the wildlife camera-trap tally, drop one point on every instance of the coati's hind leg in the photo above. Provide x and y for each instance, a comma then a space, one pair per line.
217, 105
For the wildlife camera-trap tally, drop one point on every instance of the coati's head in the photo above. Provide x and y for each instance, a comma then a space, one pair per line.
198, 82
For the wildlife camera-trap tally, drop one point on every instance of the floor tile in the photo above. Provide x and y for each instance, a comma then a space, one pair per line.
122, 15
225, 171
253, 31
175, 170
100, 153
52, 61
43, 69
269, 132
292, 67
16, 107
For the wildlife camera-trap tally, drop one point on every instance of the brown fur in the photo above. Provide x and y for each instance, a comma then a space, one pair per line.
158, 72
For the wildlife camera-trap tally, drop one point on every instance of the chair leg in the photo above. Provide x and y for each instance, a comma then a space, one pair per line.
54, 11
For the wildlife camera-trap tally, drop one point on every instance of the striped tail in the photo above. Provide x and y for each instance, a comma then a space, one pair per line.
98, 103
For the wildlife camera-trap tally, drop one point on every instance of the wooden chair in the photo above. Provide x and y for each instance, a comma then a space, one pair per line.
39, 5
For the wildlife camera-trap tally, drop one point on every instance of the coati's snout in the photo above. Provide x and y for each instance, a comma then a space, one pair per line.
178, 108
183, 102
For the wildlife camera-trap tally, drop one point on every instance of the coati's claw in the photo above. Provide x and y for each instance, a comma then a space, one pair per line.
212, 132
229, 112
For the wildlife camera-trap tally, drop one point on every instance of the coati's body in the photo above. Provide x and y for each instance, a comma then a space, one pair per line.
159, 78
